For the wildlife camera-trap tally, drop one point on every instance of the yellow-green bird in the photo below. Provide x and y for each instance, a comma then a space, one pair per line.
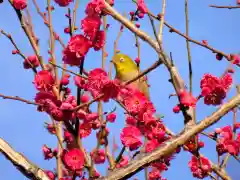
127, 69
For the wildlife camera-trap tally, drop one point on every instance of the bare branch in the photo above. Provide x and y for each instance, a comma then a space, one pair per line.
26, 167
18, 99
224, 7
64, 69
46, 22
52, 40
160, 33
9, 36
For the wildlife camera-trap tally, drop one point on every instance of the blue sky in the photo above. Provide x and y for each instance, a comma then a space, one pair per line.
22, 126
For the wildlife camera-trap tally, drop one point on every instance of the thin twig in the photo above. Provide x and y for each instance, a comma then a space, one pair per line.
29, 20
16, 47
64, 69
161, 54
189, 63
19, 99
28, 34
74, 15
224, 7
88, 103
57, 133
13, 43
211, 176
160, 33
46, 22
52, 40
138, 47
172, 29
119, 157
71, 29
188, 47
143, 73
104, 46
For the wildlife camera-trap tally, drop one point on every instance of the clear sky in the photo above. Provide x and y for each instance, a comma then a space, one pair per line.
22, 126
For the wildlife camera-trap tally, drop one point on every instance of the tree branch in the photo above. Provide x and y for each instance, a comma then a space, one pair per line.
224, 7
26, 167
170, 146
28, 34
18, 99
16, 47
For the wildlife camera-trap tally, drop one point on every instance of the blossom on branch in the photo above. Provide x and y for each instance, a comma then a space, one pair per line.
99, 41
20, 4
95, 7
73, 159
155, 175
50, 174
98, 156
90, 26
214, 89
226, 143
63, 3
142, 8
187, 99
76, 50
200, 167
31, 62
131, 137
99, 83
111, 117
44, 81
59, 110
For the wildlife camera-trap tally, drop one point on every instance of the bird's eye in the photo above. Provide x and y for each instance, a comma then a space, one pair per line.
121, 59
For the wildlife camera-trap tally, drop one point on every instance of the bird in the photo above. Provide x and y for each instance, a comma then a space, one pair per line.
126, 69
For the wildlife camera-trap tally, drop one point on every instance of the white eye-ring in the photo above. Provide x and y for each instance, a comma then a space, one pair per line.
121, 59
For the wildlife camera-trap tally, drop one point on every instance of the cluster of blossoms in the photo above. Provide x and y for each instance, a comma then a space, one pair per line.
200, 167
226, 141
186, 100
141, 10
214, 89
31, 62
140, 119
48, 98
141, 122
92, 36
